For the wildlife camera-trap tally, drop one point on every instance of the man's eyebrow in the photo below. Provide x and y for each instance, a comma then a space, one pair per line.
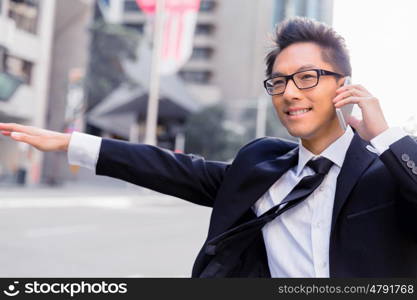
304, 67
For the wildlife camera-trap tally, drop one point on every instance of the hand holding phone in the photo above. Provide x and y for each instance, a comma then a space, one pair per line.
346, 110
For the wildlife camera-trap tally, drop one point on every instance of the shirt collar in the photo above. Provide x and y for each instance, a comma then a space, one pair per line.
336, 151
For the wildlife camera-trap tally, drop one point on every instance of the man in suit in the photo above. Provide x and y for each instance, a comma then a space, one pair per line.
359, 220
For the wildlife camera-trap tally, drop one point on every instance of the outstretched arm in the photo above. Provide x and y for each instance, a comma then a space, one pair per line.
186, 176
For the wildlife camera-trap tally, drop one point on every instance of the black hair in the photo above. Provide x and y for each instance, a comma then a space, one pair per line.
301, 29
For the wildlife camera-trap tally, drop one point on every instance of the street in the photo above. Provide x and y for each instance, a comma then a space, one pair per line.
93, 231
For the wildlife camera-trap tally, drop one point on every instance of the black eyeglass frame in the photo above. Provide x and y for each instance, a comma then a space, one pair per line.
320, 72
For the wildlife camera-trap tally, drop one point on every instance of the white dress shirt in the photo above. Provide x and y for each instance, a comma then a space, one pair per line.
297, 242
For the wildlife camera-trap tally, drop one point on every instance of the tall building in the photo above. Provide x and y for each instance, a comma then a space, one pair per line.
42, 41
37, 41
198, 73
320, 10
25, 37
231, 40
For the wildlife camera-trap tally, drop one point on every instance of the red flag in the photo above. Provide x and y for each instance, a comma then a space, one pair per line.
147, 6
179, 26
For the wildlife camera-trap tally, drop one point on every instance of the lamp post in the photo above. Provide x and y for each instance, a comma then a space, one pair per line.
152, 114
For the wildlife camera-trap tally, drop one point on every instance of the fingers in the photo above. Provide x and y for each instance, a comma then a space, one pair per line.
17, 136
354, 100
347, 96
351, 94
342, 95
29, 139
361, 88
347, 93
14, 127
10, 126
352, 87
20, 133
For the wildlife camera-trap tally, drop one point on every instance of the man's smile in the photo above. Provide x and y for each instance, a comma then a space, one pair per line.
298, 112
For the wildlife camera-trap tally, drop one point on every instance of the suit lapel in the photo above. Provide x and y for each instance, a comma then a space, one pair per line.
261, 177
250, 189
357, 160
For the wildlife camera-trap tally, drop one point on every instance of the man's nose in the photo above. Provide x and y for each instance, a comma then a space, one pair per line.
291, 90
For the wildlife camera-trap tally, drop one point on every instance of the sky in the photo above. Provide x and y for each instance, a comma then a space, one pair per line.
382, 39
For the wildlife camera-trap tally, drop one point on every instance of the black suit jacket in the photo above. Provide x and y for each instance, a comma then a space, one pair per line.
374, 221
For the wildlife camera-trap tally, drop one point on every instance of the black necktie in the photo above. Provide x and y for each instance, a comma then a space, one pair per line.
300, 192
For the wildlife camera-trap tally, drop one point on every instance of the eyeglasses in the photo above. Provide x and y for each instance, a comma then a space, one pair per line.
303, 80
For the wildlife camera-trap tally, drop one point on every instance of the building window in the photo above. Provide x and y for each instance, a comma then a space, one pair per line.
207, 5
138, 27
196, 76
25, 14
18, 67
202, 53
131, 6
204, 29
8, 85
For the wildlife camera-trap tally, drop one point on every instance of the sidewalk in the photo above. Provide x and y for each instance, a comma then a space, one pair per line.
86, 183
102, 228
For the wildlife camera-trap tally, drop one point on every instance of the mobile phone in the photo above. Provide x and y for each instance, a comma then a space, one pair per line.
346, 110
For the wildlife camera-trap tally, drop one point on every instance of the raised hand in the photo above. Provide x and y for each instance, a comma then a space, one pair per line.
373, 122
41, 139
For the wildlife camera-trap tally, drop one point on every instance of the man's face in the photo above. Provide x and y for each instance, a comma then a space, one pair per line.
320, 120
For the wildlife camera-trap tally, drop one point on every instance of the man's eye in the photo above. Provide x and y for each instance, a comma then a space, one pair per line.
307, 77
278, 82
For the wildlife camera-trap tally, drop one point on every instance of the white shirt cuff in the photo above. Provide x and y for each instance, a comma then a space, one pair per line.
382, 141
83, 150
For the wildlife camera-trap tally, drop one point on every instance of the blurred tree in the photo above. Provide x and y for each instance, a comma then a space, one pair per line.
207, 135
109, 43
210, 134
273, 124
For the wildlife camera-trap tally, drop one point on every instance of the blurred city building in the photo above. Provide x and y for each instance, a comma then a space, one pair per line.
117, 94
40, 42
231, 40
45, 50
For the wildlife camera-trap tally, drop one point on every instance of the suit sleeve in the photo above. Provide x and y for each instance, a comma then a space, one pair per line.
400, 159
185, 176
